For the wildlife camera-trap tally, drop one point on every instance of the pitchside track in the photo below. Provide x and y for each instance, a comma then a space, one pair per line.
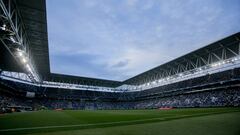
219, 121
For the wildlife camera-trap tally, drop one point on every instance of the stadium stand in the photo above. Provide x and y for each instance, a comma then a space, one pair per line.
219, 89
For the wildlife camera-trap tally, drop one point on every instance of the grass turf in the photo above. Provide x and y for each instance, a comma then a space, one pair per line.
124, 122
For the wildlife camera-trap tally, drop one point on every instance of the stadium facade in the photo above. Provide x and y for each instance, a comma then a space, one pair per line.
206, 77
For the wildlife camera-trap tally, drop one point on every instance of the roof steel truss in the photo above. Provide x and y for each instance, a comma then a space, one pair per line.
17, 40
189, 63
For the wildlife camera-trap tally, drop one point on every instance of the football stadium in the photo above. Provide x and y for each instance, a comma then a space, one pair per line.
196, 93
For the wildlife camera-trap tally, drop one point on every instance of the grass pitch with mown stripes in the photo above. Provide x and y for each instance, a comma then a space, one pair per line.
124, 122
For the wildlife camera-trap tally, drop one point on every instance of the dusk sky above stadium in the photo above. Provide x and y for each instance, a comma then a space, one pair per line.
118, 39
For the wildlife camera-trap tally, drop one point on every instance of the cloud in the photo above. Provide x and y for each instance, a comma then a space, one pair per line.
115, 39
121, 64
131, 2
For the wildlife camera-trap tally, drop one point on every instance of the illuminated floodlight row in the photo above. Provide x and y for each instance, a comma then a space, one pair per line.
225, 62
77, 86
25, 61
19, 52
183, 74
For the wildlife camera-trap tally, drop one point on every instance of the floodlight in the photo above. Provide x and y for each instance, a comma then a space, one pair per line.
28, 68
4, 27
12, 39
20, 53
24, 60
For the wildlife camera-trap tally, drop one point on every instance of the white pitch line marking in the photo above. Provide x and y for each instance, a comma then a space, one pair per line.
80, 125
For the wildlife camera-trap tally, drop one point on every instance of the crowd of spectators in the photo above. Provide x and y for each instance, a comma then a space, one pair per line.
213, 98
12, 104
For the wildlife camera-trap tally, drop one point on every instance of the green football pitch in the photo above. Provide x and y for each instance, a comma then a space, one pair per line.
198, 121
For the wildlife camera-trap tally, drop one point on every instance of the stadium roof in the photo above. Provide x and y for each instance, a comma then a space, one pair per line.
83, 80
215, 48
33, 14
